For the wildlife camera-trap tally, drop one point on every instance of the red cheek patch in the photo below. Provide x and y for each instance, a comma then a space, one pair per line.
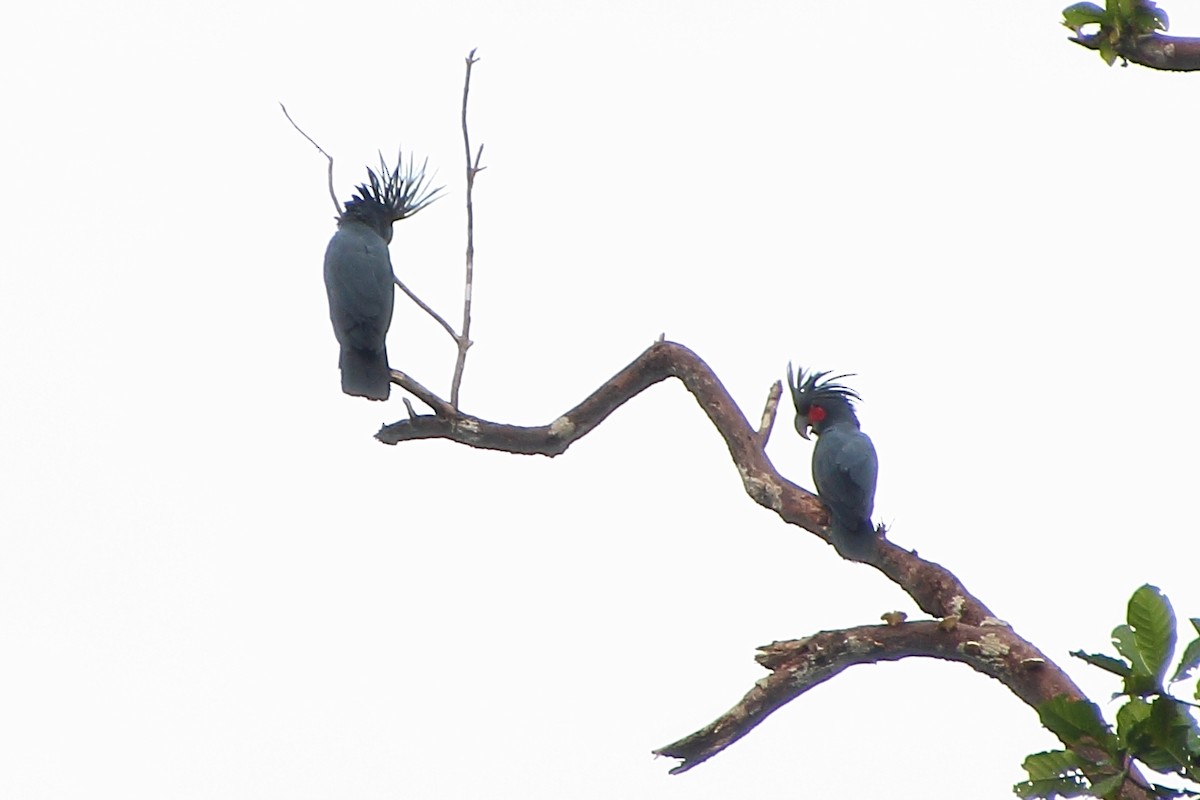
816, 414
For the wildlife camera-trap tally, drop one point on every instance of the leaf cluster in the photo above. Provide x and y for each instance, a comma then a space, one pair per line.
1120, 22
1153, 728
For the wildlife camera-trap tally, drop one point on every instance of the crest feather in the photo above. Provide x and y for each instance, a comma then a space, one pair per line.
809, 387
399, 193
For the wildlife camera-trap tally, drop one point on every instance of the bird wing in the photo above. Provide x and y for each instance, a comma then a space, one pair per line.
358, 279
845, 472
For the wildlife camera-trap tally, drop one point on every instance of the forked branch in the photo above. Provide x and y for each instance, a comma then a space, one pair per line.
965, 629
799, 665
461, 340
464, 339
933, 587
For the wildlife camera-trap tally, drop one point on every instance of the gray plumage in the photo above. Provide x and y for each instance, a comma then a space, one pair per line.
845, 469
358, 280
358, 274
844, 464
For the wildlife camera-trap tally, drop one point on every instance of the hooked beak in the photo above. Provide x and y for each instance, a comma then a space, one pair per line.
802, 428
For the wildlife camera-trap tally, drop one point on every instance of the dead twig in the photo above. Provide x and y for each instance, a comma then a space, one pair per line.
440, 407
426, 308
769, 411
473, 169
332, 193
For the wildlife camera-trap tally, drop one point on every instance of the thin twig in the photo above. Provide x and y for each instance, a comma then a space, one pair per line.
440, 407
426, 308
332, 193
473, 168
768, 415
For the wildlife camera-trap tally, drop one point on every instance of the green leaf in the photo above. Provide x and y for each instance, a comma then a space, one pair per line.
1109, 786
1080, 14
1108, 53
1131, 718
1052, 787
1153, 622
1051, 764
1140, 680
1188, 661
1114, 665
1157, 759
1158, 734
1147, 22
1171, 727
1126, 643
1072, 720
1195, 623
1160, 20
1138, 732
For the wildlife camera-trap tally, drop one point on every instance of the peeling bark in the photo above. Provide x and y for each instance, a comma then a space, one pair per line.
963, 628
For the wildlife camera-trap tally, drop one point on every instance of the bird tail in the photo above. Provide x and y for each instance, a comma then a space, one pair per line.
365, 373
865, 528
856, 538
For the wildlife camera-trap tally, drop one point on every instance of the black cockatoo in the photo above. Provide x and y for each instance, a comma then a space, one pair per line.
358, 274
844, 464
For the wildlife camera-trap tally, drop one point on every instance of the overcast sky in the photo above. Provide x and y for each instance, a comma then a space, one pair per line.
214, 583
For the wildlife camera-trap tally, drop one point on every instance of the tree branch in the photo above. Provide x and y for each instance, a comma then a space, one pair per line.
473, 169
966, 631
799, 665
425, 307
769, 411
332, 193
1155, 50
440, 407
935, 589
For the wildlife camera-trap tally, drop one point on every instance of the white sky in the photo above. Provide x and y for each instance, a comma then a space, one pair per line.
215, 583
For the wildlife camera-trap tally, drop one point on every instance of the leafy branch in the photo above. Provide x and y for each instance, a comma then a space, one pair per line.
962, 630
1153, 728
1132, 30
1154, 731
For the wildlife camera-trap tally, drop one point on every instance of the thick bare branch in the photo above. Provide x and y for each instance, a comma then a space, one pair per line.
965, 631
799, 665
1155, 50
937, 591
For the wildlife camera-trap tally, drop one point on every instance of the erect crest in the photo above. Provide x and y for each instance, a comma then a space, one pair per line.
398, 194
813, 386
